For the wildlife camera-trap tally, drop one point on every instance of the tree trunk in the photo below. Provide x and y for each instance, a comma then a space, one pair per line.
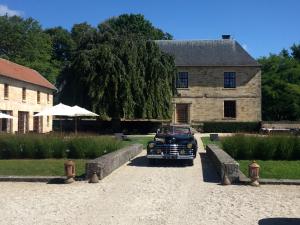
116, 125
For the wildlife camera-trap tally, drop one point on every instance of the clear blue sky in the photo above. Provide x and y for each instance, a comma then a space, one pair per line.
261, 26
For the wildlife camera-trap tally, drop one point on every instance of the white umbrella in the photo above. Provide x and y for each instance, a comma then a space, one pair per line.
57, 110
5, 116
78, 111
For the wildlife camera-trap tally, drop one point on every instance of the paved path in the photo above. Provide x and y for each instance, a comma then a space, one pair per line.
137, 194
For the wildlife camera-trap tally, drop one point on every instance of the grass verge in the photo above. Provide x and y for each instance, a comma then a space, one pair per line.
139, 139
274, 169
38, 167
207, 141
55, 167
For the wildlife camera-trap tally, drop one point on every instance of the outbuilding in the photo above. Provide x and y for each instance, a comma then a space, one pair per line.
23, 93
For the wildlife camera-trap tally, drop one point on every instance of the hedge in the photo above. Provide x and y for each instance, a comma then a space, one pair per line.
231, 127
50, 146
262, 147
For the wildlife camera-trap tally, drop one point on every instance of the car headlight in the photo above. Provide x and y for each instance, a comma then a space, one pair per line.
151, 145
162, 140
189, 145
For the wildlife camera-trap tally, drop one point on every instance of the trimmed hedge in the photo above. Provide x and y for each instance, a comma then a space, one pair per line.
231, 127
50, 146
262, 148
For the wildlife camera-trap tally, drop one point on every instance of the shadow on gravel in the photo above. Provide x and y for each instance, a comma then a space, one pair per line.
208, 171
142, 161
279, 221
62, 180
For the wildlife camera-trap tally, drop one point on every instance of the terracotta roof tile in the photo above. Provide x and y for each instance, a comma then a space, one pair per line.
18, 72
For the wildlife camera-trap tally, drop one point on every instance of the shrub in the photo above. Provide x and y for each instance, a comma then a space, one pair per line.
59, 148
42, 147
296, 149
48, 146
263, 148
10, 147
284, 148
231, 127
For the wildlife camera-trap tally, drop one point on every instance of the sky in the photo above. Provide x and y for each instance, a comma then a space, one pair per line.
260, 26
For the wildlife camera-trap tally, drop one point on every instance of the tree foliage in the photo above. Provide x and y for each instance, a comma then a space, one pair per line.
23, 41
118, 70
281, 85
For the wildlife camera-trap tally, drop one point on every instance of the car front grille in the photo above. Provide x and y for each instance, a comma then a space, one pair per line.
173, 149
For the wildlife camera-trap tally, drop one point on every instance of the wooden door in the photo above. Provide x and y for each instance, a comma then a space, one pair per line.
38, 124
182, 113
23, 124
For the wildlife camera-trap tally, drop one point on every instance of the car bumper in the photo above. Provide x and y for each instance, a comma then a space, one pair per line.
166, 156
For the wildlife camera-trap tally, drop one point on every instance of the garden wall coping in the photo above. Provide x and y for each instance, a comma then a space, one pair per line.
106, 164
223, 162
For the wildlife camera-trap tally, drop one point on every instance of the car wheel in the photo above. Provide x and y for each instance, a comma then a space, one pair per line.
191, 162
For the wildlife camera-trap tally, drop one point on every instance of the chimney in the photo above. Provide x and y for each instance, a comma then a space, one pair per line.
226, 36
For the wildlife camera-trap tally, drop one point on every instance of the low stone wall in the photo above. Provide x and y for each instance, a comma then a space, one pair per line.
281, 124
223, 163
106, 164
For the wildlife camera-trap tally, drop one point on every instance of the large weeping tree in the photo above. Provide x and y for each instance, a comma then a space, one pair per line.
119, 71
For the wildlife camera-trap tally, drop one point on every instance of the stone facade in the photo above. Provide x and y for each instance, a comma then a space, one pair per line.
14, 103
206, 94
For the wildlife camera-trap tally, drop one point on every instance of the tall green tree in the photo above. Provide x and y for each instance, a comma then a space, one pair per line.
119, 71
23, 41
281, 86
63, 45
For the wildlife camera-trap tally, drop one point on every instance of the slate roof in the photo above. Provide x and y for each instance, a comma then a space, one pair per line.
19, 72
224, 52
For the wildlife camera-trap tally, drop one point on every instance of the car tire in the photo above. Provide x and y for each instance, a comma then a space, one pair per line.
191, 162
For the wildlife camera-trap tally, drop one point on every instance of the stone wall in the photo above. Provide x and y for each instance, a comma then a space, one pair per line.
106, 164
206, 94
281, 124
223, 163
15, 103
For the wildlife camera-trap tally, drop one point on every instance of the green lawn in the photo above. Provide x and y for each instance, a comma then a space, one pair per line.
53, 167
38, 167
274, 169
139, 139
269, 169
206, 141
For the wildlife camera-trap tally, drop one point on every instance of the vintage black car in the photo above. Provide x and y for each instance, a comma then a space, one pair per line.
173, 142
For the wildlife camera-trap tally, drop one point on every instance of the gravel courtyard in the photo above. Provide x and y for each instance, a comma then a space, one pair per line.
138, 194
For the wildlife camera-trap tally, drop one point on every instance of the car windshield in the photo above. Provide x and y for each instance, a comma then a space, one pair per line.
174, 130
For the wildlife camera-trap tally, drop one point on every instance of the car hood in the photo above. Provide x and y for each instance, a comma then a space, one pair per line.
175, 138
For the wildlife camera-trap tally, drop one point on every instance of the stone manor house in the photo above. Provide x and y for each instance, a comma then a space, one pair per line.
23, 93
217, 80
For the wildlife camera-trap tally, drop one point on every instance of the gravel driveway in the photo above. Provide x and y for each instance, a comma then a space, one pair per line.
137, 194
